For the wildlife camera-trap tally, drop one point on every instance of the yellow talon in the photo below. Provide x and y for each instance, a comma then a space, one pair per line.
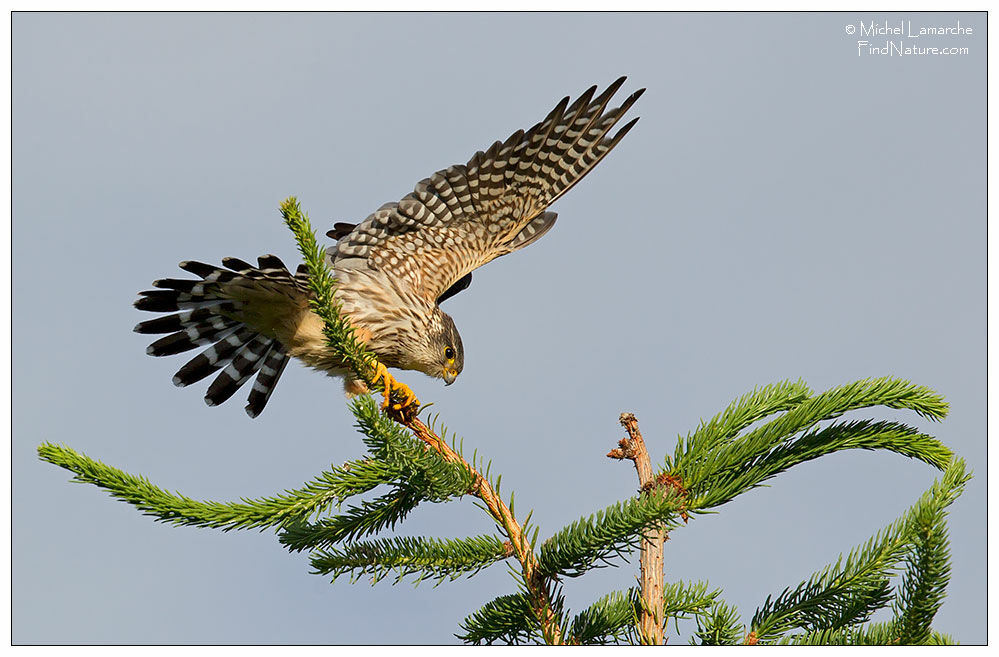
390, 385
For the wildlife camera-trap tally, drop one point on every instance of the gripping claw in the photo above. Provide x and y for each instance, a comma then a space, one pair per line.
409, 403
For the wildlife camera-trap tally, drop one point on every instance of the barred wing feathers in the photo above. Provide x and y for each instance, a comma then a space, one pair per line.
467, 215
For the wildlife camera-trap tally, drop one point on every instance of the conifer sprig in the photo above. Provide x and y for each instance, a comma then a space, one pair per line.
839, 596
590, 542
748, 409
317, 496
874, 634
924, 587
427, 558
364, 519
927, 561
508, 618
734, 464
336, 327
682, 600
845, 594
720, 626
434, 477
862, 434
611, 619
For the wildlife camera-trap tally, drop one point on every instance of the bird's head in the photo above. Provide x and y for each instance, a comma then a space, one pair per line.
450, 354
434, 348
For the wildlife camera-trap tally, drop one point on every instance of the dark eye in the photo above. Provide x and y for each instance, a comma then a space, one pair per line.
449, 353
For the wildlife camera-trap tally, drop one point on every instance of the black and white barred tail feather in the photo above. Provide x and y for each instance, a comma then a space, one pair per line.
205, 316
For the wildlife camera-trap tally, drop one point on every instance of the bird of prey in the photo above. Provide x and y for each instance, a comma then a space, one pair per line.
393, 270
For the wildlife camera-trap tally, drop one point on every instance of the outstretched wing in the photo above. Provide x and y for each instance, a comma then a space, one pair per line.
466, 215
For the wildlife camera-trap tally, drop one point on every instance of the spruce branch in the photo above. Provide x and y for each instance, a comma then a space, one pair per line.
927, 572
845, 594
361, 520
427, 558
862, 434
875, 634
508, 618
682, 600
336, 327
715, 476
859, 434
924, 587
614, 617
433, 475
748, 409
591, 542
884, 391
831, 600
611, 619
720, 626
315, 497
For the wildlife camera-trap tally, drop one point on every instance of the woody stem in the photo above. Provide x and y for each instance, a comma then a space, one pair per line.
537, 588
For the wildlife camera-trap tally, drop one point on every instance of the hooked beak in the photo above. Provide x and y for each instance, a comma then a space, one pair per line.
449, 376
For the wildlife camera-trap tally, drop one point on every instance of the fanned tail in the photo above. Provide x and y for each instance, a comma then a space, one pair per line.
205, 313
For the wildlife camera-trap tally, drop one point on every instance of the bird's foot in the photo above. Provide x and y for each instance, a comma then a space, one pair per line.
408, 407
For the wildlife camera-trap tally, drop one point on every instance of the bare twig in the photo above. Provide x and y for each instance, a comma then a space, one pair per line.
651, 562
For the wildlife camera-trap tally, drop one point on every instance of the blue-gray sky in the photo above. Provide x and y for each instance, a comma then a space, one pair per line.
790, 205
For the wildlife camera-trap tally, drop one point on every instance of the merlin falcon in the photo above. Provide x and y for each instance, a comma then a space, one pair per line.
392, 270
